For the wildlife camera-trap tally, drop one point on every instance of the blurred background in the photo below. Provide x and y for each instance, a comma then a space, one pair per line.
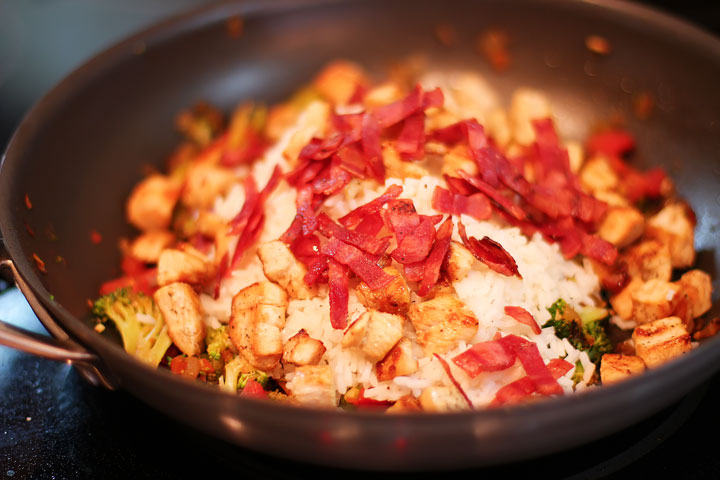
53, 425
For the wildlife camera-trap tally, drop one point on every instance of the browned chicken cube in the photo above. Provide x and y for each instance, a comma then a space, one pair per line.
654, 299
186, 265
661, 340
302, 349
395, 298
396, 167
375, 333
151, 203
204, 183
383, 94
674, 226
256, 321
598, 175
441, 322
406, 403
440, 398
281, 266
622, 226
622, 301
459, 261
313, 385
458, 159
148, 246
182, 312
615, 367
339, 81
398, 361
694, 297
649, 260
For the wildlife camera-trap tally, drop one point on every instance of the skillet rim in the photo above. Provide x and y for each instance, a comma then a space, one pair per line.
208, 14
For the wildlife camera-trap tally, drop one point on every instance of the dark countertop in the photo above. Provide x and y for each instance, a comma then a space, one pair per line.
53, 425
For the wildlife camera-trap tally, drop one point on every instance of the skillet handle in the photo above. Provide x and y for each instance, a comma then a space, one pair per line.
61, 347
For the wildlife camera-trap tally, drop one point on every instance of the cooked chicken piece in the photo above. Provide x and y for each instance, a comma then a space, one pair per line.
615, 367
302, 349
151, 203
436, 119
440, 398
695, 297
404, 404
148, 246
210, 224
498, 128
312, 122
576, 155
661, 340
441, 322
181, 310
313, 385
383, 94
674, 227
654, 299
398, 361
187, 265
622, 226
598, 175
281, 266
395, 298
613, 199
375, 333
396, 167
622, 301
339, 81
458, 262
280, 117
649, 260
527, 105
256, 320
204, 183
458, 159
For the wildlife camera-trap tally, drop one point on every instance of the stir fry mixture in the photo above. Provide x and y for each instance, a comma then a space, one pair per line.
408, 245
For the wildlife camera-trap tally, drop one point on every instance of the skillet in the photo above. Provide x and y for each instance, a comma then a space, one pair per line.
79, 151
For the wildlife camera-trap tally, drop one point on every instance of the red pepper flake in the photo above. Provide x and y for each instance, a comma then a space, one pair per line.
598, 45
523, 316
28, 203
454, 381
95, 237
445, 34
235, 26
493, 45
39, 263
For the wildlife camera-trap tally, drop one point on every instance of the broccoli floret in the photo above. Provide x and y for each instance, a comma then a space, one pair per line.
260, 377
139, 322
579, 373
586, 331
217, 340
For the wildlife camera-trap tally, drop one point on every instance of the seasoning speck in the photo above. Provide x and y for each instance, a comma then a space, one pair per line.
598, 45
643, 104
28, 203
95, 237
39, 263
493, 45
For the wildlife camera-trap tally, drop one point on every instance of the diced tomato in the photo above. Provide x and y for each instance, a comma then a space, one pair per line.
178, 365
253, 389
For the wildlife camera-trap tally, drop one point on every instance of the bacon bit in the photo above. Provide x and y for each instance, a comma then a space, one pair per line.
331, 180
454, 381
523, 316
514, 392
367, 243
221, 273
445, 34
529, 355
28, 203
372, 207
39, 263
416, 246
359, 262
414, 271
95, 237
495, 195
235, 26
490, 253
371, 147
411, 141
29, 229
493, 45
476, 205
598, 45
338, 294
559, 367
615, 143
598, 249
371, 225
489, 356
643, 105
363, 402
431, 268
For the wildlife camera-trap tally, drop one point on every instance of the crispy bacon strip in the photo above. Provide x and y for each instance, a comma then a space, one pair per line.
523, 316
359, 262
411, 141
415, 246
490, 253
361, 240
611, 142
431, 267
490, 356
476, 205
338, 294
356, 216
529, 355
371, 148
505, 203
